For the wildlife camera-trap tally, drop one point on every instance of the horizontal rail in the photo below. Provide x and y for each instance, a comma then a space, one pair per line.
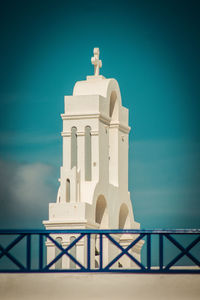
99, 231
92, 250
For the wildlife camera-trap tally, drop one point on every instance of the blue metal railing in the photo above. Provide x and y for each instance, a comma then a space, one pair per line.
24, 251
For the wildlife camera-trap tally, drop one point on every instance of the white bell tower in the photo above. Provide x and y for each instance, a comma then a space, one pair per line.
93, 190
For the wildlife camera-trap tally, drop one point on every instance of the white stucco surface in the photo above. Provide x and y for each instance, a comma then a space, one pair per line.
93, 192
99, 286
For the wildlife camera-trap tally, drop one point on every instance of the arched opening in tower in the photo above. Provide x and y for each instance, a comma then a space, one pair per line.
101, 215
113, 105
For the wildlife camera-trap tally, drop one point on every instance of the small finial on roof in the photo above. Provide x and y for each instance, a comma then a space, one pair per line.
96, 61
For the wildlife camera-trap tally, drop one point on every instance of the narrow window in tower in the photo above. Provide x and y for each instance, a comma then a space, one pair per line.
67, 190
72, 251
73, 147
88, 154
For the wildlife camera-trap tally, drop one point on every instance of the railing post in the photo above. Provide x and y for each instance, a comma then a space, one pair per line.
148, 251
88, 251
100, 251
28, 252
161, 251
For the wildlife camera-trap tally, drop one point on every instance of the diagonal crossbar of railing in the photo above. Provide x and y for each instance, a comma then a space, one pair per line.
5, 251
115, 250
124, 252
184, 251
64, 251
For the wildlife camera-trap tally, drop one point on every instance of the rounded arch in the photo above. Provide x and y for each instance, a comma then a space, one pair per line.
101, 212
124, 218
97, 87
108, 88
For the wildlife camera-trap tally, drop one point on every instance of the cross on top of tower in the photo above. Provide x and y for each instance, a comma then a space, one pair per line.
96, 61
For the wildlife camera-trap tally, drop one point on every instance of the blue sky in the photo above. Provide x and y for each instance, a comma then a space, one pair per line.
152, 48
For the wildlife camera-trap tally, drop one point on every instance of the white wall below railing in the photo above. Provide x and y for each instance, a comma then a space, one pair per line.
99, 286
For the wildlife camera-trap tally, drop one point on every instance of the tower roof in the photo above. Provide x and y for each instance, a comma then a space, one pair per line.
103, 87
97, 84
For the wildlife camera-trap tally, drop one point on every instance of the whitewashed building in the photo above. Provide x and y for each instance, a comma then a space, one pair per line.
93, 190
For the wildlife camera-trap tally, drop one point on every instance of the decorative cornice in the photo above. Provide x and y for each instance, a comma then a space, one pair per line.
102, 118
66, 133
99, 116
94, 132
71, 224
79, 116
121, 127
79, 133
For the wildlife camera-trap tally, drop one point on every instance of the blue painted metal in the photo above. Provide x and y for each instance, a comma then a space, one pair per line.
161, 251
101, 251
148, 251
64, 251
124, 251
28, 252
88, 252
183, 251
138, 235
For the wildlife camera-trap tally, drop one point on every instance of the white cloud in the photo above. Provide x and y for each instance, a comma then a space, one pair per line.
29, 184
26, 190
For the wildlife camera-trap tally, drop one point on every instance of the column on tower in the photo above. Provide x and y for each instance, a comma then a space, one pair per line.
118, 147
123, 146
95, 155
104, 150
113, 155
